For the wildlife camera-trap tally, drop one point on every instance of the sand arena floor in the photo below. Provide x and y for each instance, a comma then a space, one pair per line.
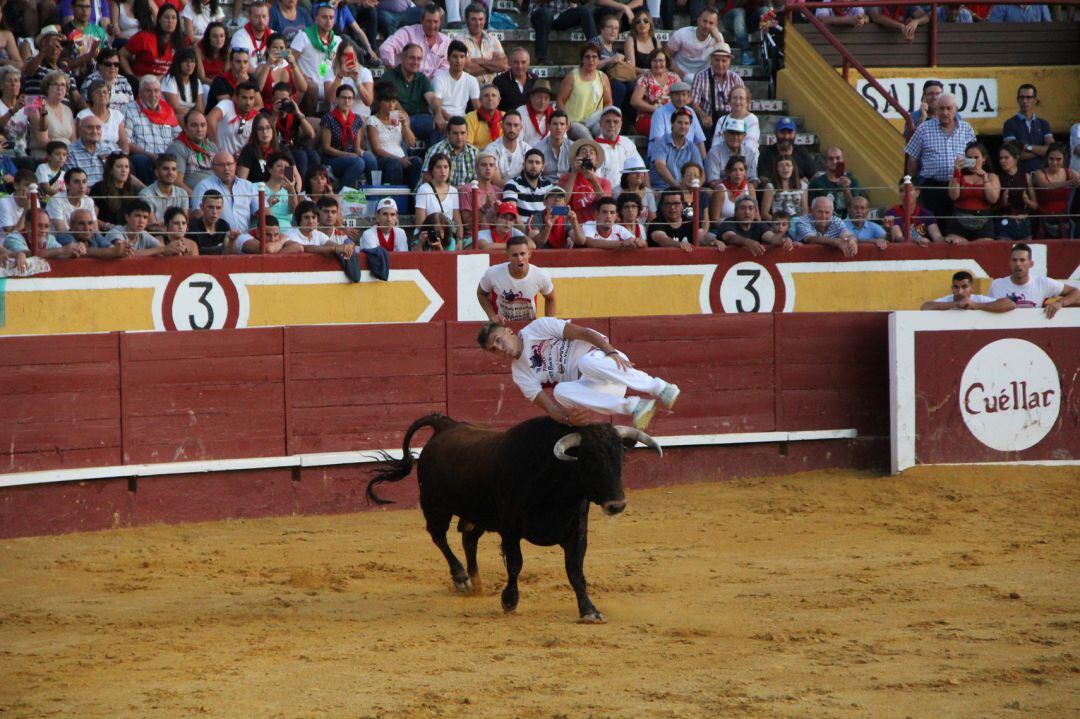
829, 594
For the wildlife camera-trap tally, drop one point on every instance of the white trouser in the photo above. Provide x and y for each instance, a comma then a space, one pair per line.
602, 387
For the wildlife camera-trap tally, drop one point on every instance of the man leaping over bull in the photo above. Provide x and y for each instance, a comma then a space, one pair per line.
588, 373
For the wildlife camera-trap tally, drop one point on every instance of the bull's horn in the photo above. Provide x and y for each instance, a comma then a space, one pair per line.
638, 436
568, 442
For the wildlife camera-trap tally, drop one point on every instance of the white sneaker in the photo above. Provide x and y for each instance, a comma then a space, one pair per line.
669, 395
644, 412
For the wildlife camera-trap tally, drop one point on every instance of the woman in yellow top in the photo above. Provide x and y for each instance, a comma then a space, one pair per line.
585, 91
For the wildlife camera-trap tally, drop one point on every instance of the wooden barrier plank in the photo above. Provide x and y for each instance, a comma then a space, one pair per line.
375, 362
52, 407
68, 377
179, 400
159, 347
362, 338
402, 389
204, 370
21, 352
58, 437
334, 429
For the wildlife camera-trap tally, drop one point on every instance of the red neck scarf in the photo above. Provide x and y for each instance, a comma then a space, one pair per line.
493, 121
202, 152
387, 242
231, 79
500, 240
610, 143
348, 137
163, 115
535, 119
246, 118
258, 46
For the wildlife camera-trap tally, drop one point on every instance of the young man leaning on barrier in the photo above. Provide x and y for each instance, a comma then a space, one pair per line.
962, 297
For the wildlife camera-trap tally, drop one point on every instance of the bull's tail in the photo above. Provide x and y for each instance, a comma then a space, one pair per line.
395, 470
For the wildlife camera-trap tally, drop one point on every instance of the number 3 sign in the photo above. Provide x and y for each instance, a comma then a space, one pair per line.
747, 287
199, 304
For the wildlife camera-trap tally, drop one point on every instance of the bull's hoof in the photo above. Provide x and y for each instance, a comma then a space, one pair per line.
477, 584
593, 617
509, 601
464, 586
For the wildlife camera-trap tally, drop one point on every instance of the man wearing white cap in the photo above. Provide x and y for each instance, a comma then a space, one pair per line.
385, 234
711, 86
661, 119
734, 143
617, 149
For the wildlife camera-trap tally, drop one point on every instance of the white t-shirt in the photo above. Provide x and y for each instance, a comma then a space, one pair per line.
110, 129
44, 173
510, 164
429, 201
60, 208
317, 239
455, 94
360, 107
546, 356
615, 157
1033, 294
202, 19
390, 137
370, 239
690, 53
514, 298
618, 232
230, 137
168, 84
10, 213
256, 56
980, 299
318, 66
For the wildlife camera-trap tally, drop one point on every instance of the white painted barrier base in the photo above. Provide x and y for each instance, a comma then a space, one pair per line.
327, 459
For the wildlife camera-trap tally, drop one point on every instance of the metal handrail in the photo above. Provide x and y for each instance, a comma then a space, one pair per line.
850, 60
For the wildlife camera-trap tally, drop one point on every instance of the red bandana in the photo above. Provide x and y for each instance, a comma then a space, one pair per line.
202, 152
535, 119
163, 115
493, 121
259, 47
500, 240
387, 243
611, 143
348, 137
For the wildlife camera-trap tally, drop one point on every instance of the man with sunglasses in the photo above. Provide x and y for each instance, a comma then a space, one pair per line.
671, 230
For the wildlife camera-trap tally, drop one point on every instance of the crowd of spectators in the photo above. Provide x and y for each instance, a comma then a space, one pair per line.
152, 129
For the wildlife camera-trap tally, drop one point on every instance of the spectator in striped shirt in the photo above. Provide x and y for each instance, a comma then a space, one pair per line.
529, 189
89, 151
932, 151
823, 227
152, 126
711, 87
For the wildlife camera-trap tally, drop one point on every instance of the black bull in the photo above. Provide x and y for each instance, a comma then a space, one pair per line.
535, 481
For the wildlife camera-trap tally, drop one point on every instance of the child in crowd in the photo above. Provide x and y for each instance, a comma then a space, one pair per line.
50, 174
306, 231
385, 233
503, 229
781, 226
551, 228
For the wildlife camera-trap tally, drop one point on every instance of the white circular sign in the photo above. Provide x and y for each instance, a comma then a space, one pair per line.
747, 287
1010, 395
199, 304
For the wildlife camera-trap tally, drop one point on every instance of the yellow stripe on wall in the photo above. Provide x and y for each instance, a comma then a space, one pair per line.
78, 311
628, 296
318, 304
871, 291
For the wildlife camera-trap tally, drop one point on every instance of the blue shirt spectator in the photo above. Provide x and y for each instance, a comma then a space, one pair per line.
959, 13
1019, 13
1027, 129
674, 158
289, 28
869, 232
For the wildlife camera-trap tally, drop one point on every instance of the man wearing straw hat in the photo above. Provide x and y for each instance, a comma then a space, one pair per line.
536, 113
582, 183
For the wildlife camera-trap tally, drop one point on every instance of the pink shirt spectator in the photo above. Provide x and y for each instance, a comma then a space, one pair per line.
488, 198
434, 55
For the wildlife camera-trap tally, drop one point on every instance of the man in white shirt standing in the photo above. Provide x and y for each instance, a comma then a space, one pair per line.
604, 233
1028, 290
456, 92
588, 373
64, 204
230, 122
690, 47
315, 47
536, 113
617, 149
515, 285
509, 150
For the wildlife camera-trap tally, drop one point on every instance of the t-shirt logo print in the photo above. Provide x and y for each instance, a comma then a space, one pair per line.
536, 359
515, 306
